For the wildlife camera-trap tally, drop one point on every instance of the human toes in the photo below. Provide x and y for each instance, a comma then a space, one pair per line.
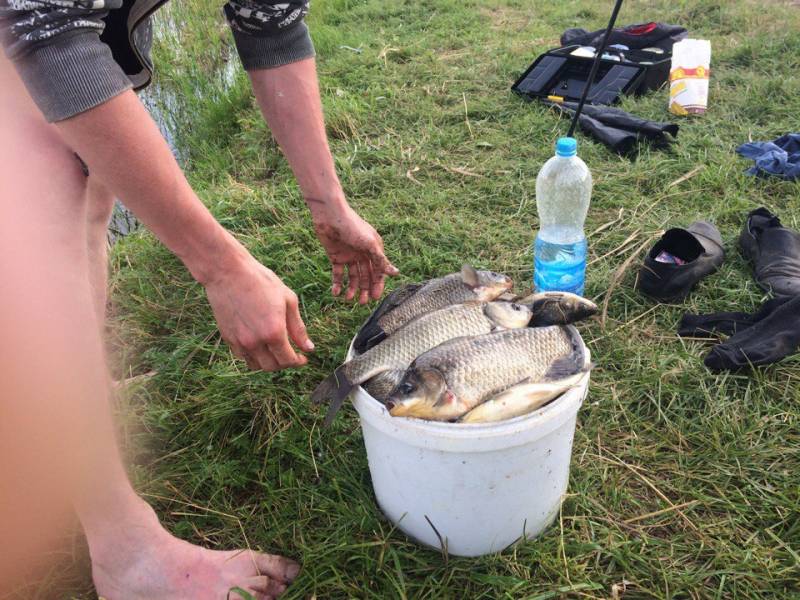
277, 567
266, 585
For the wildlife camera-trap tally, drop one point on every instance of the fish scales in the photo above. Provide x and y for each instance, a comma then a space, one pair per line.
501, 360
380, 386
434, 295
418, 336
414, 300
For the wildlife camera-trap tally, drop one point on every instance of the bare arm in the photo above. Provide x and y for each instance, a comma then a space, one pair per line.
290, 101
255, 312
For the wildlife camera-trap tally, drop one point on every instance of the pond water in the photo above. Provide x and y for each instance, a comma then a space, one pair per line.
166, 108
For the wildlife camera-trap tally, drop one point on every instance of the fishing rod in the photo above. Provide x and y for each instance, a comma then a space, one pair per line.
595, 66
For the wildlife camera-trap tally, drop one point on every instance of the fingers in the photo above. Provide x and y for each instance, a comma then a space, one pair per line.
338, 277
285, 355
364, 275
264, 360
381, 267
381, 264
378, 281
269, 348
240, 352
277, 567
352, 281
296, 327
253, 364
365, 279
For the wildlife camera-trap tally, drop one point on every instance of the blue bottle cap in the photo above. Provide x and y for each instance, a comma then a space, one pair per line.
566, 146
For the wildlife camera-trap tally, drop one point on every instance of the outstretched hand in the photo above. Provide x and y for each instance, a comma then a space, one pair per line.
257, 316
353, 246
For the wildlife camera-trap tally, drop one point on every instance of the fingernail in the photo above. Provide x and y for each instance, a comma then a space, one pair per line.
309, 345
292, 570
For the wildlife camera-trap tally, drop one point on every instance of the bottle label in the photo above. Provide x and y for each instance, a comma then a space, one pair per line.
559, 267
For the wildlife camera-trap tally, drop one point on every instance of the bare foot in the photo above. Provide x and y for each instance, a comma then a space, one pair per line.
142, 561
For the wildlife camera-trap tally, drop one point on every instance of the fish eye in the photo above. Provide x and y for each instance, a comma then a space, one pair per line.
515, 306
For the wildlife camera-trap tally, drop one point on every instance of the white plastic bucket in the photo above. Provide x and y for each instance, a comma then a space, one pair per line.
481, 486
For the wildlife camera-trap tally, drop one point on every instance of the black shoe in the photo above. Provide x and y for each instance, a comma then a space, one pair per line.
774, 251
680, 259
771, 339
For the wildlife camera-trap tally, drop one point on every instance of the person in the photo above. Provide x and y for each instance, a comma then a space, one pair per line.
61, 166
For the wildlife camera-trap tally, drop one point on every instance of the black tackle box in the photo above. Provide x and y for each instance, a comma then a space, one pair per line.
559, 75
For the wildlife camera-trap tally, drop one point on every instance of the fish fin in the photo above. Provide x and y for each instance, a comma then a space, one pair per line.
569, 365
371, 338
563, 367
470, 276
371, 332
333, 389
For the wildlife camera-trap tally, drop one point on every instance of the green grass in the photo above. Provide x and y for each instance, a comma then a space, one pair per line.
231, 458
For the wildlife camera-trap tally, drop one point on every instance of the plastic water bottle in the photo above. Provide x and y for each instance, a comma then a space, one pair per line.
563, 192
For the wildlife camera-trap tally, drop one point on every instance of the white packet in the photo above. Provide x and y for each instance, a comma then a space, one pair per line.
691, 67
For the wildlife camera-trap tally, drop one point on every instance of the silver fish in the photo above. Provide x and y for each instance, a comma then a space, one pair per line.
453, 378
417, 337
520, 399
548, 308
411, 301
380, 386
558, 308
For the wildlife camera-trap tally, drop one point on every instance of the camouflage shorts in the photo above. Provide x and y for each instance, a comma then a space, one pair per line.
262, 18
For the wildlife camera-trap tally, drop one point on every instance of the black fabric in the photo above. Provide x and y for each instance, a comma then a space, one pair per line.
727, 323
261, 19
116, 35
774, 251
700, 245
620, 141
618, 129
616, 117
774, 337
635, 37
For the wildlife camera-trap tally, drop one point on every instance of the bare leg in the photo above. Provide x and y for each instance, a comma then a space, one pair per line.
56, 434
100, 205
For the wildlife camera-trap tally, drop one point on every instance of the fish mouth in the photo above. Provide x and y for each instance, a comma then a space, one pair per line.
398, 409
586, 308
487, 293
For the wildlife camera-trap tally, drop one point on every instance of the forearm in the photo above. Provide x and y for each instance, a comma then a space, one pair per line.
290, 102
124, 148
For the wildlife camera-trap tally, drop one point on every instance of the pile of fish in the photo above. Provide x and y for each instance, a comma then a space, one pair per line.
464, 348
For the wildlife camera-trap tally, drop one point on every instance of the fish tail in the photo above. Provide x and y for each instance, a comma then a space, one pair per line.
333, 389
575, 362
565, 367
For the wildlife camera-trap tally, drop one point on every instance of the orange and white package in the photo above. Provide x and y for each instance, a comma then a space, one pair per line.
691, 67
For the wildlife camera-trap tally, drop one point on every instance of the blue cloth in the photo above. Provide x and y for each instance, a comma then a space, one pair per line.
780, 158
